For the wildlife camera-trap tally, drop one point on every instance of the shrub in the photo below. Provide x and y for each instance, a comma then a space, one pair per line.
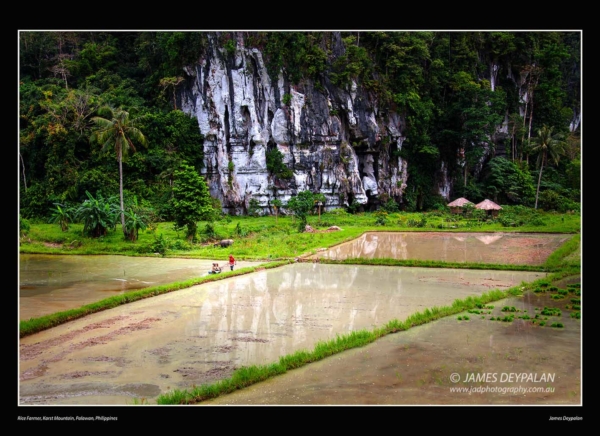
537, 221
24, 226
240, 231
390, 206
209, 230
254, 207
381, 218
61, 214
276, 166
338, 212
181, 245
160, 245
98, 214
509, 220
354, 207
302, 204
422, 222
551, 200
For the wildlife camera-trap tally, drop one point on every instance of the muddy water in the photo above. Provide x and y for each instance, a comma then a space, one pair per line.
53, 283
515, 249
203, 333
438, 364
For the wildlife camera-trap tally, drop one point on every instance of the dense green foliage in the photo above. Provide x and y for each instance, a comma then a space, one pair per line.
276, 166
191, 200
98, 215
453, 89
302, 204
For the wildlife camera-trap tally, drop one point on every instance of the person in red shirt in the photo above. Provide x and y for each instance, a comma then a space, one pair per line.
231, 262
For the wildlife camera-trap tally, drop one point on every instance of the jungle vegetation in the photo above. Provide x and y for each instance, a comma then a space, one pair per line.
453, 88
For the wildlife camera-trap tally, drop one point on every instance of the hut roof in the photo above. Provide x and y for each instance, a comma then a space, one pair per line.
459, 202
488, 205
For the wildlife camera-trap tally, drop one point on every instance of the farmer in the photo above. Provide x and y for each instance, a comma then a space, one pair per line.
232, 262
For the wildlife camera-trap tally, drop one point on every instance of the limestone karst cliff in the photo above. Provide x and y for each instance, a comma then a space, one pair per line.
334, 140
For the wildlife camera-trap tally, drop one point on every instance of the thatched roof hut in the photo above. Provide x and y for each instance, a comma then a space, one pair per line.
489, 206
457, 205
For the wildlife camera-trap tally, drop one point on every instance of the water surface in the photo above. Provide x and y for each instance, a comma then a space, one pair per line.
435, 364
203, 333
495, 248
53, 283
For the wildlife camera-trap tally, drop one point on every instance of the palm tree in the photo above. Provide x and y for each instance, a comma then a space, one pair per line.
118, 130
547, 146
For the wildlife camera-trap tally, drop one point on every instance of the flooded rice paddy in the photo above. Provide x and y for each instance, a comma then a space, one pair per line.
53, 283
443, 363
201, 334
509, 248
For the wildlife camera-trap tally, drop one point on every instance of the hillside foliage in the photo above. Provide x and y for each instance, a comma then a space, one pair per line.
453, 89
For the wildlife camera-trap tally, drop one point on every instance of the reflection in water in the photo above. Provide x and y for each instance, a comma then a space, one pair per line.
415, 367
488, 239
505, 248
203, 333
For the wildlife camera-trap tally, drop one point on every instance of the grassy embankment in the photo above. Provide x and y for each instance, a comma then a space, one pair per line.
267, 238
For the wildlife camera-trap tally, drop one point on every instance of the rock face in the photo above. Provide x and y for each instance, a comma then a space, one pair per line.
334, 140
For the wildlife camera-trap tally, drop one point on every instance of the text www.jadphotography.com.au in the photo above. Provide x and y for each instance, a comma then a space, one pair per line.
501, 389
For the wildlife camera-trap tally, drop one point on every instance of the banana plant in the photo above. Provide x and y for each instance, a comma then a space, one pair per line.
133, 224
61, 215
98, 215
